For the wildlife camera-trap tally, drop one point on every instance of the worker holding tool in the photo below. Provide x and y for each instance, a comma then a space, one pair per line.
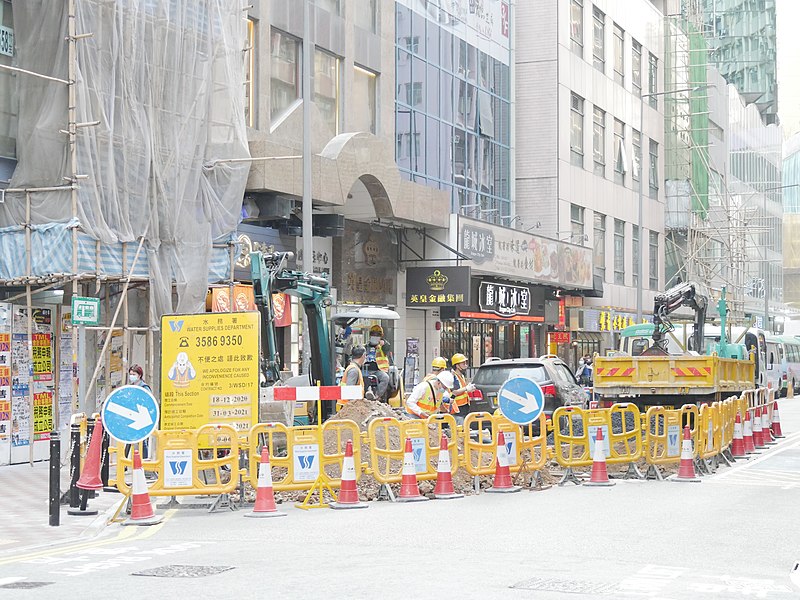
460, 364
430, 397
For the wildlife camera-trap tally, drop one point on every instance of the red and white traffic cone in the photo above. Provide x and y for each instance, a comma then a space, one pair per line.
444, 477
749, 446
776, 423
90, 475
599, 471
141, 508
758, 438
686, 470
265, 495
737, 448
348, 493
502, 474
409, 489
766, 427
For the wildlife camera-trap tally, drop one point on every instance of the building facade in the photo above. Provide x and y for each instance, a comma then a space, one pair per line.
791, 221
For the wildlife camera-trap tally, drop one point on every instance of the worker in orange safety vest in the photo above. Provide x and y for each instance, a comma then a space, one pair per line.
430, 397
463, 387
352, 374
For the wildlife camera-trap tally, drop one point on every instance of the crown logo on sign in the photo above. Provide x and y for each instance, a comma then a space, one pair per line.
437, 281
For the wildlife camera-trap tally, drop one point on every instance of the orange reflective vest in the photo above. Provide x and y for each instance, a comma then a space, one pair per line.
428, 403
350, 367
463, 398
381, 359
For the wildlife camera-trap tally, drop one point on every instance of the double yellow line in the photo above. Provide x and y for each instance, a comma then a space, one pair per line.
131, 533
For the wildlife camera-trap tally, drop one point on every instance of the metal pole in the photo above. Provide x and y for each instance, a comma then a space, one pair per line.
55, 478
641, 211
766, 269
73, 158
308, 250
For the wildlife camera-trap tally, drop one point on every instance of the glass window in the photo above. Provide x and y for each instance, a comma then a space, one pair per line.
446, 96
599, 141
419, 34
653, 169
600, 245
432, 96
619, 55
635, 253
599, 48
654, 260
366, 16
332, 6
364, 100
432, 149
326, 88
576, 130
576, 26
652, 80
249, 80
403, 138
619, 252
636, 67
637, 158
446, 45
285, 87
620, 156
576, 214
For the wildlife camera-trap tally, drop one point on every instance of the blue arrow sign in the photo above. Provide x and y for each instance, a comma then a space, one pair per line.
521, 400
130, 414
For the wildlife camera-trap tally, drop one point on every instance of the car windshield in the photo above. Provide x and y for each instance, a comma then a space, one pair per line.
497, 375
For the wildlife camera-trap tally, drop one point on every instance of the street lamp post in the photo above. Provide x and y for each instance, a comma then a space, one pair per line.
640, 244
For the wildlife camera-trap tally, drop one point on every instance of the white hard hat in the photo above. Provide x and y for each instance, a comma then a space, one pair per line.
446, 378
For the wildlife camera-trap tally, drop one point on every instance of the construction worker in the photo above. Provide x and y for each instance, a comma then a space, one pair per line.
459, 365
380, 352
352, 374
429, 397
438, 365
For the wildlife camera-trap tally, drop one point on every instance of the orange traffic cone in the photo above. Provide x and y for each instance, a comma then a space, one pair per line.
502, 474
749, 446
686, 469
599, 472
90, 477
141, 508
776, 423
766, 427
737, 448
409, 490
265, 495
758, 438
348, 493
444, 477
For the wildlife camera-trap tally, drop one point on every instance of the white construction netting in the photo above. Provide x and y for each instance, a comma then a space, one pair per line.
165, 79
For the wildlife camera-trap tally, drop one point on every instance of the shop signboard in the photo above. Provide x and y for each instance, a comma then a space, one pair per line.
560, 337
504, 299
365, 266
210, 372
437, 286
506, 252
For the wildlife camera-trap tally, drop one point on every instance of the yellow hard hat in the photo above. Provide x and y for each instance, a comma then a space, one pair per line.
376, 329
457, 359
438, 363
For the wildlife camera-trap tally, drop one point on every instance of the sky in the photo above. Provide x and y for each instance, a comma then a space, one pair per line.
787, 14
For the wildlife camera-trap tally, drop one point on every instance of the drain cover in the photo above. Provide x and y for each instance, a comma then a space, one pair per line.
566, 585
183, 571
25, 585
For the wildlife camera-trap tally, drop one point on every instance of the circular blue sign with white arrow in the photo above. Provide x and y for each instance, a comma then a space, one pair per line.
130, 414
521, 400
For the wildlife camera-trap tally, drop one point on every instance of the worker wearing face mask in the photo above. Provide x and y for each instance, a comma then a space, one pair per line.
136, 377
380, 352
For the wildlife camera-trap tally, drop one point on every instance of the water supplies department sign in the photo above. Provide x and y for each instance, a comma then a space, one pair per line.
209, 370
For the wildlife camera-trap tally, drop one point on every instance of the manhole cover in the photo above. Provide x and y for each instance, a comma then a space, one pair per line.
25, 585
183, 571
566, 585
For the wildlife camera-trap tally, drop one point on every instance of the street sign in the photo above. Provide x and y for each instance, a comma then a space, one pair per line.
521, 400
130, 414
85, 311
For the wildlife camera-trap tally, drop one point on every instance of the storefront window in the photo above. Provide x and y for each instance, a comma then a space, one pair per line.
481, 340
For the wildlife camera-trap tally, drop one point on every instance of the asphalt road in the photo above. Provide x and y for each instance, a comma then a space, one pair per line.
735, 535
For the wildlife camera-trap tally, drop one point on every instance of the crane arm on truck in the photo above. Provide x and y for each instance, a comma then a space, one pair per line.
685, 294
271, 276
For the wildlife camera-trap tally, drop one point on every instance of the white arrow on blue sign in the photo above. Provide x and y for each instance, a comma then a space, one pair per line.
521, 400
130, 414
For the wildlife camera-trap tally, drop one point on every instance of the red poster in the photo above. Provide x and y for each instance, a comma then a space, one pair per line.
282, 305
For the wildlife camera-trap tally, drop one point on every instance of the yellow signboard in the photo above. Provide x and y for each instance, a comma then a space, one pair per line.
209, 370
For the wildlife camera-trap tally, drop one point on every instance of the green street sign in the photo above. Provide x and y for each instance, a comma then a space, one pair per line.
85, 311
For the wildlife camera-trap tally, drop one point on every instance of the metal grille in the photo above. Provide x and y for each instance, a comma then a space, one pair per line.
183, 571
566, 585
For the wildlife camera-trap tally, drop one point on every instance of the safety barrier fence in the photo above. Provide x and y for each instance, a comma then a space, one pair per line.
213, 459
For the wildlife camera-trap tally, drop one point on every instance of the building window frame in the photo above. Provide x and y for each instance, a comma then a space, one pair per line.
635, 253
652, 80
636, 167
636, 67
577, 219
599, 39
576, 130
653, 260
250, 74
319, 100
619, 55
576, 26
620, 154
372, 89
619, 252
653, 169
278, 36
599, 141
599, 259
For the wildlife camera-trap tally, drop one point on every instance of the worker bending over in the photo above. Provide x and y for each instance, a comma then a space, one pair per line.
430, 397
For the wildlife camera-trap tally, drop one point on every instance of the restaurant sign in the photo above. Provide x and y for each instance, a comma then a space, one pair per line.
504, 300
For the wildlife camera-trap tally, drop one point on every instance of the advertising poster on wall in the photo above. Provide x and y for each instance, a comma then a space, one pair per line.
5, 382
66, 369
42, 357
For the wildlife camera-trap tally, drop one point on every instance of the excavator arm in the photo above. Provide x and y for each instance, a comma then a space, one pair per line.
684, 294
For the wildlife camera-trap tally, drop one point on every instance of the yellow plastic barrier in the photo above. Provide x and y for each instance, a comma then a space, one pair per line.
189, 462
574, 445
663, 436
709, 439
387, 446
479, 450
